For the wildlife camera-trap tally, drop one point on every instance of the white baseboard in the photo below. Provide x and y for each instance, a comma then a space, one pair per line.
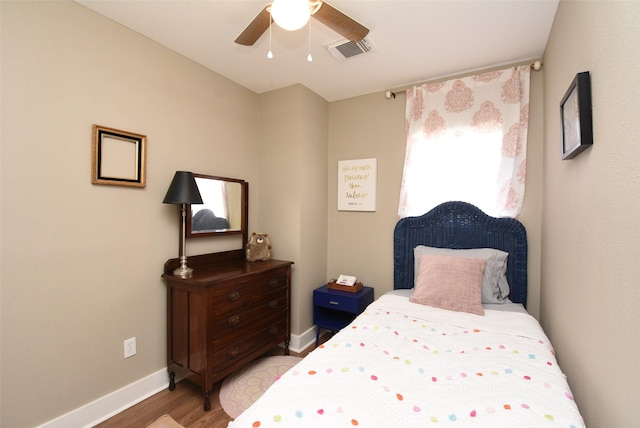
115, 402
303, 341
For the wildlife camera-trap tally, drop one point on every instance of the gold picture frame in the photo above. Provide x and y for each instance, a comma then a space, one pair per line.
118, 157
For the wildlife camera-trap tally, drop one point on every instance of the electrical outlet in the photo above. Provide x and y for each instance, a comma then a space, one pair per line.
130, 347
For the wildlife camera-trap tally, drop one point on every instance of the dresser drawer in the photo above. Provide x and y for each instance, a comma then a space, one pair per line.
260, 281
242, 300
248, 292
231, 324
226, 354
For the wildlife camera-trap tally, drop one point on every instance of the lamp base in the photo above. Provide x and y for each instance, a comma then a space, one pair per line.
183, 271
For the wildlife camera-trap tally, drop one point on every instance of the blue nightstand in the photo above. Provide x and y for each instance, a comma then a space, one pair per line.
333, 309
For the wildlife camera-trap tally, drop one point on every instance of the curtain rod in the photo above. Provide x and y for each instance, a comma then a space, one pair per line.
536, 65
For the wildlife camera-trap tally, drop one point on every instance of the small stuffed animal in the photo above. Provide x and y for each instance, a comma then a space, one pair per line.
258, 247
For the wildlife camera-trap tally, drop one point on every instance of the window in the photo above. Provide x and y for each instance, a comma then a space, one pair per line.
466, 140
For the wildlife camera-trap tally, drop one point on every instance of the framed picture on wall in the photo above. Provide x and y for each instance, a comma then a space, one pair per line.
118, 157
357, 184
575, 111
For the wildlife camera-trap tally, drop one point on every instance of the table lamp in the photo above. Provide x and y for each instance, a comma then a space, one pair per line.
182, 191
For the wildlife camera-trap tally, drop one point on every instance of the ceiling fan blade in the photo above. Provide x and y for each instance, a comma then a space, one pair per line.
340, 23
256, 28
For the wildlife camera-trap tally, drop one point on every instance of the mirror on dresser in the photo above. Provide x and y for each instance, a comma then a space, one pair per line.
224, 210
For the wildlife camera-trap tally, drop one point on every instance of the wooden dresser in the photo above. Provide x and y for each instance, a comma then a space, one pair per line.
227, 314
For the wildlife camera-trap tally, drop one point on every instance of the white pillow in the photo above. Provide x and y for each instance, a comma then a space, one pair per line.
495, 288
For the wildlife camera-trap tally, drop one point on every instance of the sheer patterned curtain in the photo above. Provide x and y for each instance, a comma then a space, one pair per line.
467, 140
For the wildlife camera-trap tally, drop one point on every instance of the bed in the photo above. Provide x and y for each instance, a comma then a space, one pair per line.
416, 358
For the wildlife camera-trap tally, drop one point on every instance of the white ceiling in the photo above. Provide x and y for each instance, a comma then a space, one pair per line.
414, 40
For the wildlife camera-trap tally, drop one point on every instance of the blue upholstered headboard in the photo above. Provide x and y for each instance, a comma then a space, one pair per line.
461, 225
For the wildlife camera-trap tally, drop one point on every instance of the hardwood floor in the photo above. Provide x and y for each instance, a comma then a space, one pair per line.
184, 405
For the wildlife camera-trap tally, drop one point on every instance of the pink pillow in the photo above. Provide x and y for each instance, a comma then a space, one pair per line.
447, 282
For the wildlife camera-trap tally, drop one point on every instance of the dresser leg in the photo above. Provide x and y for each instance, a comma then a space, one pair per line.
286, 347
172, 381
207, 402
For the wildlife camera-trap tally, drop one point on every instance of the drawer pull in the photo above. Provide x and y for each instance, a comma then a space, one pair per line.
234, 320
273, 282
233, 296
333, 302
273, 330
273, 304
233, 352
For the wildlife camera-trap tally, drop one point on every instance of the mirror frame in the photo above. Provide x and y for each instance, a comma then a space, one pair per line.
244, 211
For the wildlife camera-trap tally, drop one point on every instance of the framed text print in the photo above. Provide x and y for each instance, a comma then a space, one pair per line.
357, 185
575, 110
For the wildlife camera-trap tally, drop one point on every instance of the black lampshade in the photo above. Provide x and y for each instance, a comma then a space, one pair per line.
183, 190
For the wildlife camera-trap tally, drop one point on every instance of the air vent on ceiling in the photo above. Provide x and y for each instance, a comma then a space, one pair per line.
346, 49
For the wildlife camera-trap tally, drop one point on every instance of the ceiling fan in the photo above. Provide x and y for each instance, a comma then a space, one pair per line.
320, 10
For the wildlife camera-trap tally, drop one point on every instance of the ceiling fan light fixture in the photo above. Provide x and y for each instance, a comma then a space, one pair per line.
290, 15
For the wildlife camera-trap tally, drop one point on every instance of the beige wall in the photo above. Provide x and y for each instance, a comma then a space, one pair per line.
293, 197
81, 263
370, 126
360, 243
591, 217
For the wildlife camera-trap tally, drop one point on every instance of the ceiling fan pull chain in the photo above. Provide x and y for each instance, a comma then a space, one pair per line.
309, 57
270, 54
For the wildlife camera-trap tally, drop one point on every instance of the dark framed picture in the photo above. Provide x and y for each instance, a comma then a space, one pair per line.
118, 157
575, 111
